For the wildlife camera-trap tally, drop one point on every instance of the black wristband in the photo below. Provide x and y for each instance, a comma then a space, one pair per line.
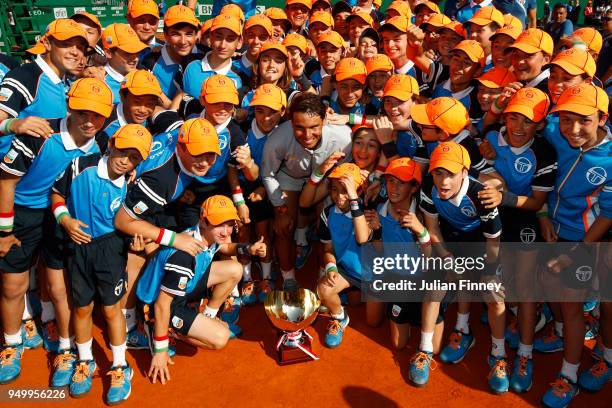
303, 82
509, 199
356, 208
243, 249
4, 234
389, 149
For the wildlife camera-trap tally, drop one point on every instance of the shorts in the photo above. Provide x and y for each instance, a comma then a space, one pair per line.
182, 315
354, 282
189, 214
27, 228
409, 313
520, 226
260, 210
289, 183
580, 273
98, 268
53, 246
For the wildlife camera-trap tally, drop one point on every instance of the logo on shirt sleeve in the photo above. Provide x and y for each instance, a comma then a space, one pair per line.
177, 322
140, 208
5, 94
10, 156
468, 211
522, 165
182, 282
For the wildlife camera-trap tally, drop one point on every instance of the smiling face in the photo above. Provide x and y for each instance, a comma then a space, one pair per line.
121, 61
297, 15
266, 118
395, 44
486, 96
315, 30
560, 80
66, 55
219, 234
447, 183
528, 66
307, 128
255, 37
356, 27
224, 43
580, 130
198, 165
123, 161
338, 194
399, 191
340, 24
447, 40
367, 48
328, 55
376, 82
272, 65
520, 130
85, 123
218, 113
462, 69
482, 34
499, 45
138, 108
398, 111
145, 26
365, 149
349, 93
181, 38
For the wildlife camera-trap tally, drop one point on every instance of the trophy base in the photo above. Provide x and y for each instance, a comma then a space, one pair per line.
287, 354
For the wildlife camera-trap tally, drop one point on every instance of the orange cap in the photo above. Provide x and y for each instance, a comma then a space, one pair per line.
366, 17
206, 26
122, 36
323, 17
141, 82
450, 156
199, 136
307, 3
91, 17
91, 94
487, 15
137, 8
218, 209
233, 10
275, 13
259, 20
379, 62
509, 30
437, 20
456, 27
348, 168
576, 61
429, 4
219, 88
351, 68
401, 7
180, 14
529, 102
401, 86
296, 40
397, 23
497, 77
133, 136
64, 29
226, 21
269, 95
444, 112
273, 45
404, 169
584, 99
473, 50
333, 38
534, 40
510, 20
591, 37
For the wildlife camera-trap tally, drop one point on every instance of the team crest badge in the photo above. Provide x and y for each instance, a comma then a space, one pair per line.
140, 208
177, 322
10, 156
5, 94
182, 283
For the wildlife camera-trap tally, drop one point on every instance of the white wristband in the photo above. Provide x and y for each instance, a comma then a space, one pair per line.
425, 239
59, 211
331, 267
167, 238
160, 344
237, 198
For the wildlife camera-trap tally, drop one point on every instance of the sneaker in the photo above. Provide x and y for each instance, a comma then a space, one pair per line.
457, 348
231, 310
540, 321
498, 374
29, 335
80, 382
247, 294
302, 253
591, 327
512, 334
560, 393
522, 374
598, 349
264, 287
589, 305
121, 384
595, 377
419, 368
137, 339
235, 331
50, 336
551, 342
10, 363
63, 367
335, 331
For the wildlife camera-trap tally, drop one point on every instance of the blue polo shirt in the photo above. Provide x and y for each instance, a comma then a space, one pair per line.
168, 73
197, 71
113, 79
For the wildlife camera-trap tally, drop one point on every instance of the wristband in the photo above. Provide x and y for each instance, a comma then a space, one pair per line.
495, 108
237, 196
331, 267
243, 249
160, 344
363, 120
239, 203
166, 237
5, 126
542, 214
389, 149
425, 239
6, 221
303, 82
59, 211
509, 199
356, 209
357, 119
161, 338
160, 350
351, 118
316, 177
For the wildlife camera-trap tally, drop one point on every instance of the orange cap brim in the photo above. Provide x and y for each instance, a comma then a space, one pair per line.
132, 47
198, 148
418, 113
526, 48
523, 110
135, 143
488, 83
225, 216
570, 68
77, 103
228, 97
575, 108
140, 90
449, 165
400, 94
274, 105
37, 49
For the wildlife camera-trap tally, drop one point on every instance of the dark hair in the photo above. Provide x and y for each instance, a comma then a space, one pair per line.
181, 25
560, 5
305, 102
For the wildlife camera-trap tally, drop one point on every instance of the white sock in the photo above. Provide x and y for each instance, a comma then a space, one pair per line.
48, 311
559, 328
426, 341
13, 339
339, 316
290, 274
119, 355
246, 272
462, 323
27, 308
514, 310
499, 348
64, 343
266, 270
235, 292
525, 350
130, 318
570, 370
85, 350
608, 355
300, 236
210, 312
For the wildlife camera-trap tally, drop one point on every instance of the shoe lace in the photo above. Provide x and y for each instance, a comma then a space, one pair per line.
455, 339
523, 365
63, 361
560, 387
248, 288
7, 356
422, 360
599, 368
30, 328
117, 377
334, 326
81, 372
51, 330
500, 369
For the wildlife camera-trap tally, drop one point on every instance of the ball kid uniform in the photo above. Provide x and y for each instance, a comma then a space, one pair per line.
468, 97
198, 70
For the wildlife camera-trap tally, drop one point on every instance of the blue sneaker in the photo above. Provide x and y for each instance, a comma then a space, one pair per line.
335, 331
50, 336
522, 374
595, 377
419, 368
512, 334
235, 331
589, 305
591, 327
121, 384
598, 349
549, 343
10, 363
231, 310
247, 294
63, 368
29, 335
498, 374
457, 348
560, 393
80, 382
302, 253
137, 339
264, 287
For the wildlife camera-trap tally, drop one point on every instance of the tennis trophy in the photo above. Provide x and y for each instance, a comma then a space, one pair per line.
291, 312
